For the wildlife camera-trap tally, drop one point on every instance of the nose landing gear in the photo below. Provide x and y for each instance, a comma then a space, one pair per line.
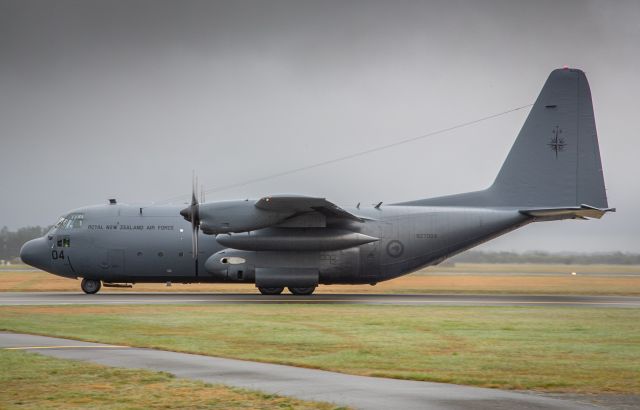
90, 286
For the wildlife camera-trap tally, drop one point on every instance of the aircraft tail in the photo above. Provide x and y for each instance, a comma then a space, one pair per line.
555, 161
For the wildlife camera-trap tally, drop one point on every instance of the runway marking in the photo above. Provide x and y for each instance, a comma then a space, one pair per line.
66, 347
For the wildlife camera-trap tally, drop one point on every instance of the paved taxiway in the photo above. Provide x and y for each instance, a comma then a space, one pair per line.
342, 389
68, 298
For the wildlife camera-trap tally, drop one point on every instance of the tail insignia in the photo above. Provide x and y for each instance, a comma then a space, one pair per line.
557, 143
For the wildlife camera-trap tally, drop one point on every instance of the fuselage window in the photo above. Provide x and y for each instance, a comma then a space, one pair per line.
63, 241
161, 254
59, 223
139, 253
77, 220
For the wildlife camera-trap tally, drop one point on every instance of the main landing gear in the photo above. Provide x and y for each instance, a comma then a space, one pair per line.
271, 291
90, 286
295, 291
302, 291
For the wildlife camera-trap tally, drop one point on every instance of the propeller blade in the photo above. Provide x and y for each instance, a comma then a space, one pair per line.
192, 214
195, 242
194, 190
195, 216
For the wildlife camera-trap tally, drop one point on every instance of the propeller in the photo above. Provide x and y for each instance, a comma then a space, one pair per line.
192, 214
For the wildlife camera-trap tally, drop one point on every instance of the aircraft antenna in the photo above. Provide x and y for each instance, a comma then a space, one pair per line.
355, 154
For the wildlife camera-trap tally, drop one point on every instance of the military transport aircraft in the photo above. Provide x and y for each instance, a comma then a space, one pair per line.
552, 172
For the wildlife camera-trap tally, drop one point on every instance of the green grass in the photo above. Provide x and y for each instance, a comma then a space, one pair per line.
31, 381
540, 348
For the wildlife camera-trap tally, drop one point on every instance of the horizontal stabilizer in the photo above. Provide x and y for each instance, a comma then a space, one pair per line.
581, 212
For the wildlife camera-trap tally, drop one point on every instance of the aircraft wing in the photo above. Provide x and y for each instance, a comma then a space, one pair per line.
578, 212
299, 204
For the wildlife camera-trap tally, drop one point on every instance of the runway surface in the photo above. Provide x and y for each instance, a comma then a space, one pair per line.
69, 298
342, 389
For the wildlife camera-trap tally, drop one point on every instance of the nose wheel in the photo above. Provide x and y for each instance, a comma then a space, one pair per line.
90, 286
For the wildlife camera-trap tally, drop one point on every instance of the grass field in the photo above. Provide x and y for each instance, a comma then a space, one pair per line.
462, 278
551, 349
31, 381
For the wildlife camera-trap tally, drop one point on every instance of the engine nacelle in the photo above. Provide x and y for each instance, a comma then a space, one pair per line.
237, 216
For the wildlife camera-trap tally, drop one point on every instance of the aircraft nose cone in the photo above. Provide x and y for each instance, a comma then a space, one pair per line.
36, 253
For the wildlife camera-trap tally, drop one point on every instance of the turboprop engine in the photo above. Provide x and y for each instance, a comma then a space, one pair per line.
238, 216
250, 215
282, 241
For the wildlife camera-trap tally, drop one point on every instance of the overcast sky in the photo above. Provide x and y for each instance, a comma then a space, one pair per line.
102, 99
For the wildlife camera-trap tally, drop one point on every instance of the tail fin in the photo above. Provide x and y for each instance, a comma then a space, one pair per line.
555, 161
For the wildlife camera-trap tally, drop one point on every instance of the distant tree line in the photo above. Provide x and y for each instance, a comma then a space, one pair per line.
568, 258
11, 241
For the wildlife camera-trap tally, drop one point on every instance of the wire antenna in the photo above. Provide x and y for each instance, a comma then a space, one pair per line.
353, 155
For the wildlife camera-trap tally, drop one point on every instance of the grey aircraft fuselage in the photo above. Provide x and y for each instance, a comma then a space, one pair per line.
121, 243
552, 172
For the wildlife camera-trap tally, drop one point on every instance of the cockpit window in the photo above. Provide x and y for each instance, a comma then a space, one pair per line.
59, 223
70, 221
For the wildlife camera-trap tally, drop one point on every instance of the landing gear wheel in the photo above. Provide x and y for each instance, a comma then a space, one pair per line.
302, 291
90, 286
271, 291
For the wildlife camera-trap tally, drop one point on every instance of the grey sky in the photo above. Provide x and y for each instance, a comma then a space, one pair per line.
123, 99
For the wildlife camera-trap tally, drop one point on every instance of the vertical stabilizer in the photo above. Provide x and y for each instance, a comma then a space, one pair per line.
555, 160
